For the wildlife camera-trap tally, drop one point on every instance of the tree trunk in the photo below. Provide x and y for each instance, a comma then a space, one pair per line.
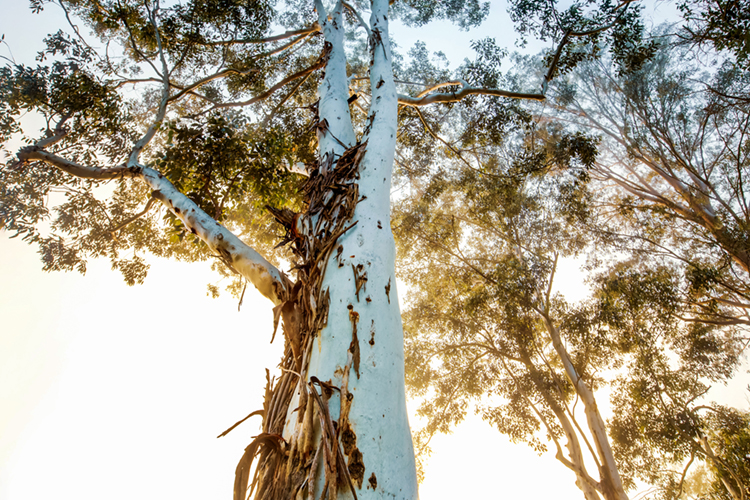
574, 461
611, 484
335, 421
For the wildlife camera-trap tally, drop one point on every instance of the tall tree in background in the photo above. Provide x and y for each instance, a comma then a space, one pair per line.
674, 150
673, 162
160, 113
484, 326
661, 326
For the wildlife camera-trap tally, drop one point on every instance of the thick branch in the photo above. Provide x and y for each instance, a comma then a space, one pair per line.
228, 247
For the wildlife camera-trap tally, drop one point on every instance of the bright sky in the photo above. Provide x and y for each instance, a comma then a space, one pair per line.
120, 392
108, 391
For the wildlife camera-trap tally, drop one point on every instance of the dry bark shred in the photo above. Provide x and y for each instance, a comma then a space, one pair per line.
282, 471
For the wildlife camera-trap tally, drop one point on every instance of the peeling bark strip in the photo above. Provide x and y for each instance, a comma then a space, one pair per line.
269, 446
332, 195
329, 437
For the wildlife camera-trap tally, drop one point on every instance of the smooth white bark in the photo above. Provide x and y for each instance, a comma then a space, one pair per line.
247, 262
371, 316
222, 242
594, 419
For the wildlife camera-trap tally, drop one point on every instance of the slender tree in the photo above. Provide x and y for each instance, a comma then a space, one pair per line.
485, 329
483, 320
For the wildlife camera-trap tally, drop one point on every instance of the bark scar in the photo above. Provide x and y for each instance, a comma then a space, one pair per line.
360, 278
354, 346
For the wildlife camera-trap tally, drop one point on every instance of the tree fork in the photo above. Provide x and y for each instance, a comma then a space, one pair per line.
338, 408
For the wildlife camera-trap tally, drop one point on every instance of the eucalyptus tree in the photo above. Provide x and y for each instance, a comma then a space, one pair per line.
194, 131
485, 329
483, 326
674, 153
663, 423
661, 325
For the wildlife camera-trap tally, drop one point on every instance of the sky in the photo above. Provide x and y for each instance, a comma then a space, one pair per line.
119, 392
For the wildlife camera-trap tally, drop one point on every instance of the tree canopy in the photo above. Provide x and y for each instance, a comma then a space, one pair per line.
638, 168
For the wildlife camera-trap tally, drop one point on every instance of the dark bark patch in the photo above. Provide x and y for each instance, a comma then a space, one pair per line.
348, 440
338, 255
354, 346
388, 290
360, 278
373, 481
357, 467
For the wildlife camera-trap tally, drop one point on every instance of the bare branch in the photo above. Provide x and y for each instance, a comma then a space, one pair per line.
359, 19
466, 90
433, 134
134, 218
33, 153
314, 28
273, 89
232, 71
135, 48
189, 88
284, 100
162, 111
136, 80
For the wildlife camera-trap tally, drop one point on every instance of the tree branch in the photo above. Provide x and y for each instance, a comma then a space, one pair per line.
162, 111
34, 153
134, 218
288, 34
359, 19
466, 90
229, 248
273, 89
